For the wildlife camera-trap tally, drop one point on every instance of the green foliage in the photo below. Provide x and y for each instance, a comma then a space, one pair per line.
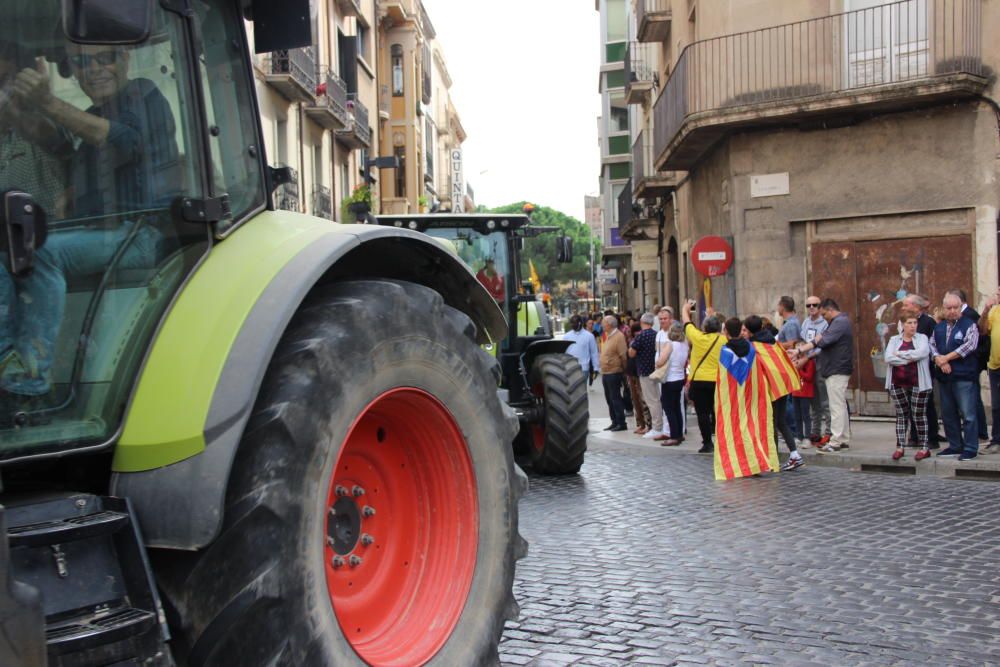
542, 249
361, 194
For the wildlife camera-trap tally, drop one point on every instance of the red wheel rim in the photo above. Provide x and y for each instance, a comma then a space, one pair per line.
401, 529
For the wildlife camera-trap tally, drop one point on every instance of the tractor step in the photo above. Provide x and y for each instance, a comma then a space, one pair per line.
67, 530
95, 628
85, 556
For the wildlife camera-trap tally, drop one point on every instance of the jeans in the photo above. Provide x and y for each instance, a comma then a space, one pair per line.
958, 405
613, 395
800, 407
703, 395
840, 420
32, 307
981, 414
672, 401
791, 420
779, 413
994, 377
820, 409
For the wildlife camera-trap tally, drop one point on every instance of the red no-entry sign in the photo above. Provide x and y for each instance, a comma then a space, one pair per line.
712, 256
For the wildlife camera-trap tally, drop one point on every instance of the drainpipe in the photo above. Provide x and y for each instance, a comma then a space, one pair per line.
302, 160
682, 270
661, 219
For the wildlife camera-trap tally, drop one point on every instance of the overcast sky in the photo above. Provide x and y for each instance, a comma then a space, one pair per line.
524, 81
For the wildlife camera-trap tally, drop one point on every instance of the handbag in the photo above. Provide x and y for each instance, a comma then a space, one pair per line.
695, 371
659, 373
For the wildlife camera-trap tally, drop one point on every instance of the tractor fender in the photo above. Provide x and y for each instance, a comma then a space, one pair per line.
201, 377
539, 347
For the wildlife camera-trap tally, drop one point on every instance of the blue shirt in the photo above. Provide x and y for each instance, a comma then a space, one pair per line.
645, 352
791, 330
584, 348
138, 165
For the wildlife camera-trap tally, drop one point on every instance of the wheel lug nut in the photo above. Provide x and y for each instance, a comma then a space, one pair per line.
340, 491
368, 510
355, 561
367, 539
338, 561
357, 491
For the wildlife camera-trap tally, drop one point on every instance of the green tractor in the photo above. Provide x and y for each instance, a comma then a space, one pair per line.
229, 435
545, 386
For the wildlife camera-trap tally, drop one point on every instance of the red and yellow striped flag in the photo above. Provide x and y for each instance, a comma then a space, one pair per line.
744, 430
782, 378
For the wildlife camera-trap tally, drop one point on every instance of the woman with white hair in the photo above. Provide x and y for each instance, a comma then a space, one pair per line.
674, 354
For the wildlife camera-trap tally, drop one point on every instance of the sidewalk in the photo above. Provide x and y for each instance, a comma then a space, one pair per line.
872, 444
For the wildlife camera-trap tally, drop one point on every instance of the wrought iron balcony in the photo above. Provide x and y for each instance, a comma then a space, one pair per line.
322, 202
647, 182
891, 57
330, 108
357, 133
293, 73
653, 19
641, 77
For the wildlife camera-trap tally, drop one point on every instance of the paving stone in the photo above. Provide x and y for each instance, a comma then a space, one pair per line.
645, 559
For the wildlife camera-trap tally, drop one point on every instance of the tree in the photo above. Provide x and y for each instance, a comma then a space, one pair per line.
541, 250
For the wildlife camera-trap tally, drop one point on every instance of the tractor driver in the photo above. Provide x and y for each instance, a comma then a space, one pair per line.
125, 160
491, 280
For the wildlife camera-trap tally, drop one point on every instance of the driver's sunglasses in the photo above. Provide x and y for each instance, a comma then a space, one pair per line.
103, 58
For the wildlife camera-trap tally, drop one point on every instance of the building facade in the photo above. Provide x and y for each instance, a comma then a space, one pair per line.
616, 156
362, 90
845, 148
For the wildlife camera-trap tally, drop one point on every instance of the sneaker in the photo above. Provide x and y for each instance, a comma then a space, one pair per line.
992, 448
649, 435
825, 439
845, 445
828, 449
967, 457
949, 453
792, 464
921, 455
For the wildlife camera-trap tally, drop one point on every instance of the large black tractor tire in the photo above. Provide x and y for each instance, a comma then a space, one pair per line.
558, 444
373, 484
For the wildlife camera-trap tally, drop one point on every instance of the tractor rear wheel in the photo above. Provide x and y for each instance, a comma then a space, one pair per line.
558, 444
371, 513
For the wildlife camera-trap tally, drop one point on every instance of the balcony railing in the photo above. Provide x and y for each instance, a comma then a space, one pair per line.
322, 202
653, 20
330, 109
358, 133
640, 72
647, 182
293, 72
848, 55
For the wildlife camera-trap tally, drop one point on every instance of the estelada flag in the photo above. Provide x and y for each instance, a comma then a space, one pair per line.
744, 432
782, 378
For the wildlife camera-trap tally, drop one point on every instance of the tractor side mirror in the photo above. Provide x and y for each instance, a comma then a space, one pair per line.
564, 250
107, 21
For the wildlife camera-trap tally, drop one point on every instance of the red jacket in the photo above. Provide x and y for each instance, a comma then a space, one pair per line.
808, 376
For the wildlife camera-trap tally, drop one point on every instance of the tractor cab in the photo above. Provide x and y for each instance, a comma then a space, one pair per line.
128, 141
491, 244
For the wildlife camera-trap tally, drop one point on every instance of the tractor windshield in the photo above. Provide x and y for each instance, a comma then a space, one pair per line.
486, 254
102, 144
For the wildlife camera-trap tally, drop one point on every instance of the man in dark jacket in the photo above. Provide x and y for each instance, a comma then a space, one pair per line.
835, 366
953, 349
982, 354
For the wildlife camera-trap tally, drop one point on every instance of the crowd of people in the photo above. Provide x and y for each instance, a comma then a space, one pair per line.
751, 381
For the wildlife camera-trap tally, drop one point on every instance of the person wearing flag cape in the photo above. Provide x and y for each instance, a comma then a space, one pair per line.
744, 430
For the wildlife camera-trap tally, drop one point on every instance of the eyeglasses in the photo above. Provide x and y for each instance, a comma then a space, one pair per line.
812, 305
104, 58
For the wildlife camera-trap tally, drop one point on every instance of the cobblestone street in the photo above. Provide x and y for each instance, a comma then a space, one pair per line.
643, 559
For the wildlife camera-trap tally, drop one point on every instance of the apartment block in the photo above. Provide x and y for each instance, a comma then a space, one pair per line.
372, 84
845, 148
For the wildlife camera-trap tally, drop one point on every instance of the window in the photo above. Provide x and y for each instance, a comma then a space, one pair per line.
619, 119
363, 36
400, 153
397, 70
616, 21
